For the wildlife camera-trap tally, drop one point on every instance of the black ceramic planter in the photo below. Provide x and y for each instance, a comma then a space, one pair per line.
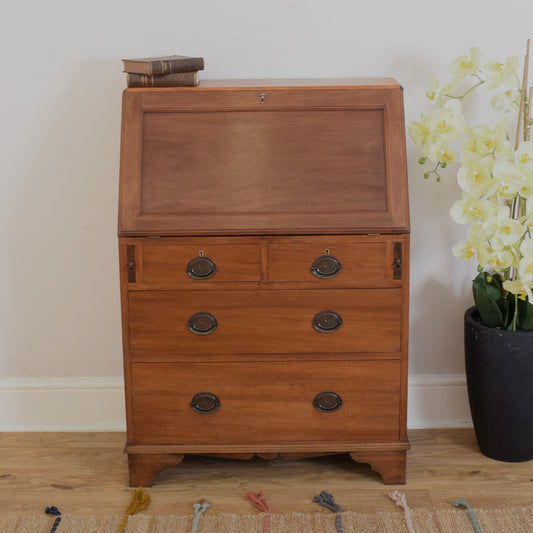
499, 374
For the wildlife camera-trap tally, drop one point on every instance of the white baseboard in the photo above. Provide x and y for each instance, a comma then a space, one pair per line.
97, 404
62, 404
438, 401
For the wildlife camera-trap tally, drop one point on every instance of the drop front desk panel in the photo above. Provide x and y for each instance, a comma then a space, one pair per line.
264, 253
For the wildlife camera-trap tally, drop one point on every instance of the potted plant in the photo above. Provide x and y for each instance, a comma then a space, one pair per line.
495, 174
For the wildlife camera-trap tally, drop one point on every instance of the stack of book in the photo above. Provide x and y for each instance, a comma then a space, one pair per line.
166, 71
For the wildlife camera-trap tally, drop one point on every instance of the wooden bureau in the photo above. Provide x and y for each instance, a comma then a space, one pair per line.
264, 252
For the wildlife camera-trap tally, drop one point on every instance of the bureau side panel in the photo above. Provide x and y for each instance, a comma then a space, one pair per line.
125, 252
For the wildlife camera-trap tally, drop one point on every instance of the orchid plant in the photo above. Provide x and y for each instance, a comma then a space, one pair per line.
495, 175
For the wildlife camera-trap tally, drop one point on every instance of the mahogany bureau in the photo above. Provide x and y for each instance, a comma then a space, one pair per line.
264, 251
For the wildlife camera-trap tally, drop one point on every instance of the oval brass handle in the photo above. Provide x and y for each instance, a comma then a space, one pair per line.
327, 321
202, 323
326, 267
327, 402
205, 402
201, 267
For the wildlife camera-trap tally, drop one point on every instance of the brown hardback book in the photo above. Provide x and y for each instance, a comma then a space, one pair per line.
163, 65
176, 79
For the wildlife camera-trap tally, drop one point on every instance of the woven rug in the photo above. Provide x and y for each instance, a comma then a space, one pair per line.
510, 520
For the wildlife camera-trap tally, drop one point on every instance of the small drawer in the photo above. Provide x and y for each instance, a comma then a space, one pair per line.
265, 402
198, 262
264, 322
357, 260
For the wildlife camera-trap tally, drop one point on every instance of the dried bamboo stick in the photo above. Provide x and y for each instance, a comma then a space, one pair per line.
522, 97
527, 133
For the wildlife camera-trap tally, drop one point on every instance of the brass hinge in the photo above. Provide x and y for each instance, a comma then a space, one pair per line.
130, 265
397, 262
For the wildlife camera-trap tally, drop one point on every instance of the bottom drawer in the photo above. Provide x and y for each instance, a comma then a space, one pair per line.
243, 402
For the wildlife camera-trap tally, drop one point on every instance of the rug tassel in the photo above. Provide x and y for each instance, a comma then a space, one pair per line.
463, 503
401, 501
139, 501
258, 500
55, 512
199, 509
326, 500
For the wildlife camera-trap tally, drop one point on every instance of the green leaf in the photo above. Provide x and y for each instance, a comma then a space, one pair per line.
525, 315
489, 299
492, 284
509, 309
491, 314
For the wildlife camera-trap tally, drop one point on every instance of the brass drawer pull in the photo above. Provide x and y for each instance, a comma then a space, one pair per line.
327, 402
327, 321
202, 323
205, 403
326, 267
201, 267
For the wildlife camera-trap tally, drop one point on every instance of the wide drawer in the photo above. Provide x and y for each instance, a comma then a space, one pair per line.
265, 402
197, 262
265, 321
364, 261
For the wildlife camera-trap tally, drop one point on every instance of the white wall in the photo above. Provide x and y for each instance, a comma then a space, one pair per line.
60, 90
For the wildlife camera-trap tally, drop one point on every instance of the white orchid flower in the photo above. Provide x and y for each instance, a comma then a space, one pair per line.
448, 123
464, 65
520, 288
441, 151
506, 101
500, 260
497, 73
436, 130
421, 135
526, 248
471, 210
525, 268
437, 92
486, 141
475, 178
510, 177
475, 246
524, 154
503, 230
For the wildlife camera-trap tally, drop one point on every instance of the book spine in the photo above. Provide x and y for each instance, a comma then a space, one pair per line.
168, 66
180, 79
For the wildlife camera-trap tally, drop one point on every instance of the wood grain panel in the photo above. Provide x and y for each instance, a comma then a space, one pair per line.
274, 321
168, 264
253, 396
226, 162
366, 262
307, 162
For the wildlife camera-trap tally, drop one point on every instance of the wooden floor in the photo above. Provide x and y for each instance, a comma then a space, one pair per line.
87, 473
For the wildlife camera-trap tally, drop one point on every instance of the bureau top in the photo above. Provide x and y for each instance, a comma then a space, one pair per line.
352, 83
253, 157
